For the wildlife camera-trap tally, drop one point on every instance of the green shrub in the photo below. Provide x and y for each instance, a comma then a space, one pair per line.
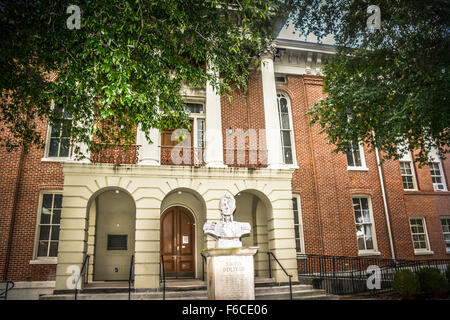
406, 283
432, 282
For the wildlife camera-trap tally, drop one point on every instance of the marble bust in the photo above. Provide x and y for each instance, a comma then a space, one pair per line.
227, 232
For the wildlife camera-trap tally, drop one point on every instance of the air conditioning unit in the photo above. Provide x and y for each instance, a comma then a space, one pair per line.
438, 186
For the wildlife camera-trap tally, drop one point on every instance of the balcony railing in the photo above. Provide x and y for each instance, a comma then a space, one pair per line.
183, 156
117, 155
246, 158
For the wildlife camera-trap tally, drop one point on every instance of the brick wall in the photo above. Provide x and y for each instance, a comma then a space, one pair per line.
35, 176
322, 180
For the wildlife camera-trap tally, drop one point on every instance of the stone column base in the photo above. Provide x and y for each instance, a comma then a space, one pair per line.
231, 273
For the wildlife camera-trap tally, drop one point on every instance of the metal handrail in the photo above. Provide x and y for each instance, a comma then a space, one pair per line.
287, 274
203, 266
86, 259
131, 278
4, 294
163, 274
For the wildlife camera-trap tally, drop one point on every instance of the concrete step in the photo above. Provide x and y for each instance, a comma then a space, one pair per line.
261, 293
281, 289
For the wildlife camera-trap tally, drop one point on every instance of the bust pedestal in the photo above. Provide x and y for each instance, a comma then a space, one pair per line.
230, 273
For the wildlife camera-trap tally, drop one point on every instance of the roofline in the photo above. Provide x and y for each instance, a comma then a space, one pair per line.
304, 46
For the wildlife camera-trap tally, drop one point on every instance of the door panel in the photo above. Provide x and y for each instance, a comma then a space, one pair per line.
177, 243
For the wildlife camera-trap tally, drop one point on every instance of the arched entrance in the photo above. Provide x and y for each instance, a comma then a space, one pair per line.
178, 242
115, 225
252, 206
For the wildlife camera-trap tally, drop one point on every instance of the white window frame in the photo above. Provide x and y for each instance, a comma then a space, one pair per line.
195, 118
299, 225
434, 157
369, 252
408, 158
363, 166
46, 157
427, 250
447, 248
291, 124
42, 259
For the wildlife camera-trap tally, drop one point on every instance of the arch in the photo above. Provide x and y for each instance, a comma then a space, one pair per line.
194, 203
112, 233
254, 207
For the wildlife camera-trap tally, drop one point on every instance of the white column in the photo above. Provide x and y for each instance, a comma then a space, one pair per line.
273, 135
149, 153
213, 130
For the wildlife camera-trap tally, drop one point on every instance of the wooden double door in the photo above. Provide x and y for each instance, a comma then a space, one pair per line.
178, 243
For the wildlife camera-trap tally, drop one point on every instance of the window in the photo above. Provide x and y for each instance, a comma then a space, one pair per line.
419, 234
436, 171
280, 78
284, 113
298, 225
407, 175
196, 111
355, 156
365, 235
436, 175
48, 225
59, 135
445, 221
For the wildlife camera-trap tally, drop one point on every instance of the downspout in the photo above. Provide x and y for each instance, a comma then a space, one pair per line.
13, 216
383, 193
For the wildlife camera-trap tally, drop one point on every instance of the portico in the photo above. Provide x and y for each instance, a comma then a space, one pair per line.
156, 190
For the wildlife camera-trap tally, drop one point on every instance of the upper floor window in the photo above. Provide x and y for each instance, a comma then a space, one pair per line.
408, 178
365, 229
419, 234
48, 225
355, 156
58, 141
287, 138
193, 141
436, 171
298, 225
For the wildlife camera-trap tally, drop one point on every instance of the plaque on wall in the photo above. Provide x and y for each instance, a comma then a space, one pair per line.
117, 241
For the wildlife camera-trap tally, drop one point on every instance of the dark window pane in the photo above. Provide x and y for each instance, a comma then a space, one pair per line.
361, 245
365, 203
57, 203
56, 218
44, 233
55, 132
285, 121
55, 233
297, 245
42, 248
283, 106
297, 233
287, 155
53, 148
350, 161
53, 249
286, 138
46, 208
64, 147
294, 204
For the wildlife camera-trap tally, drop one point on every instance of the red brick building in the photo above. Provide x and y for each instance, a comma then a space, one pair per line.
344, 205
